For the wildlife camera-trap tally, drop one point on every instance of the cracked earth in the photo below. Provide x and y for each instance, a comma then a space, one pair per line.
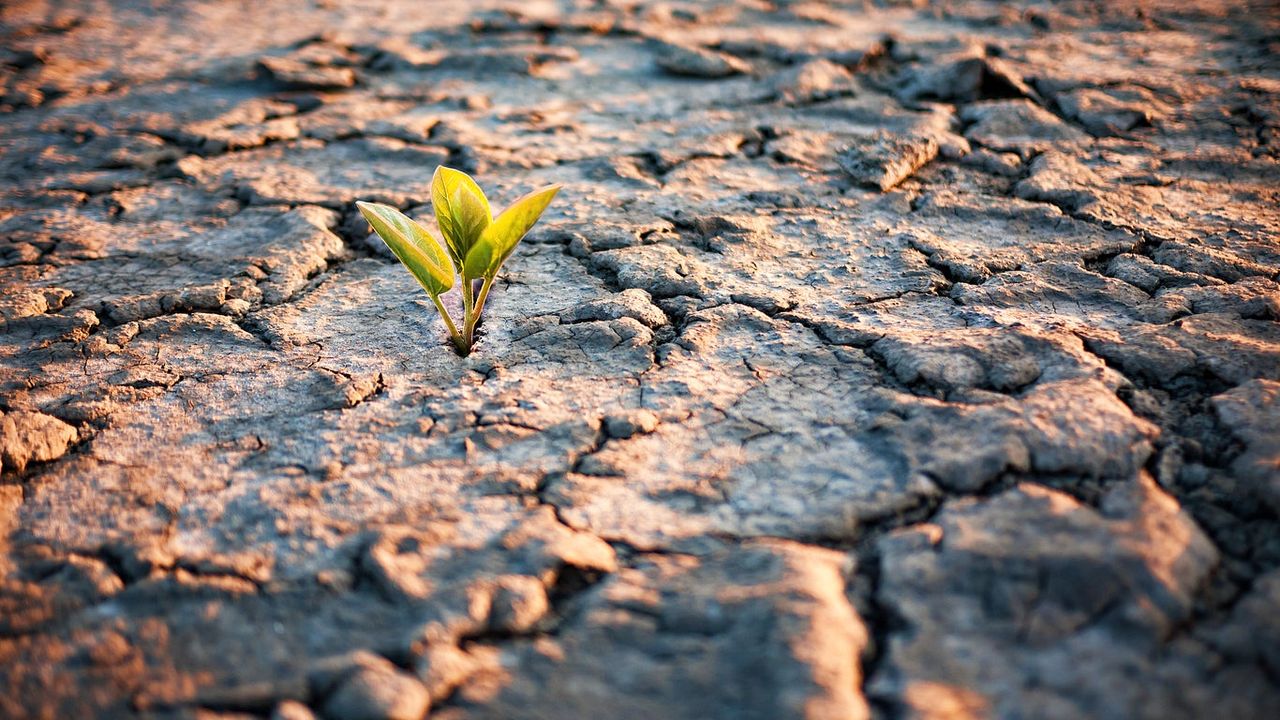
892, 360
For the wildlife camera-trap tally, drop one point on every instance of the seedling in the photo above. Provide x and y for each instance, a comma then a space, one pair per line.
476, 244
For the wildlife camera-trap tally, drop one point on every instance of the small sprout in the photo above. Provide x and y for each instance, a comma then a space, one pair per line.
476, 244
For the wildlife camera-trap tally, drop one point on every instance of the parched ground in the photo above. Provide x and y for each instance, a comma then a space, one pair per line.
895, 360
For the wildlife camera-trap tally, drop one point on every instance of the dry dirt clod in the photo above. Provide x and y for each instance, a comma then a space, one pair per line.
32, 437
369, 694
884, 160
699, 62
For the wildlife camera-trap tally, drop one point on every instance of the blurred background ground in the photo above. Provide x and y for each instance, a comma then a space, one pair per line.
897, 360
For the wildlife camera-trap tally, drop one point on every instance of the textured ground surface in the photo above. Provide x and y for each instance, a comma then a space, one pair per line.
876, 360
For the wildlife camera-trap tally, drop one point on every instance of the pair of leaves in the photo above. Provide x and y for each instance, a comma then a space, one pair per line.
477, 243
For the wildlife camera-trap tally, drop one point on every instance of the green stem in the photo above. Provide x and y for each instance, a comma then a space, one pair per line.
468, 307
468, 299
474, 318
463, 345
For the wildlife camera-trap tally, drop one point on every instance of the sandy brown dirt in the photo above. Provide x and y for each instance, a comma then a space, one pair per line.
895, 360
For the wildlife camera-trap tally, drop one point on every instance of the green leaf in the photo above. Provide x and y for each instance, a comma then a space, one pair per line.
479, 260
471, 217
462, 210
508, 229
412, 244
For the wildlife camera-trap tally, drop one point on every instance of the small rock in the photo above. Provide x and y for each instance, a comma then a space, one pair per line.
326, 674
292, 710
953, 79
518, 604
1060, 179
952, 146
699, 62
235, 307
140, 151
29, 303
378, 694
883, 160
1003, 164
398, 53
27, 437
632, 422
476, 101
18, 253
443, 667
632, 302
813, 81
302, 76
857, 57
1109, 112
1142, 272
1017, 126
965, 77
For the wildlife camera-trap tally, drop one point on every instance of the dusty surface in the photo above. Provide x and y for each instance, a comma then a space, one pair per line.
875, 361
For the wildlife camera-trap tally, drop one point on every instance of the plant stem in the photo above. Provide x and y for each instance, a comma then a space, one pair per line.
468, 299
463, 344
474, 318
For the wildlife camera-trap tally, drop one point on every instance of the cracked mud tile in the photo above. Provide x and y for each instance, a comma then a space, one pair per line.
719, 465
332, 175
707, 636
973, 239
1120, 606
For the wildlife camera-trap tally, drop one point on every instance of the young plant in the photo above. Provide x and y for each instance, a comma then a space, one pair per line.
476, 243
